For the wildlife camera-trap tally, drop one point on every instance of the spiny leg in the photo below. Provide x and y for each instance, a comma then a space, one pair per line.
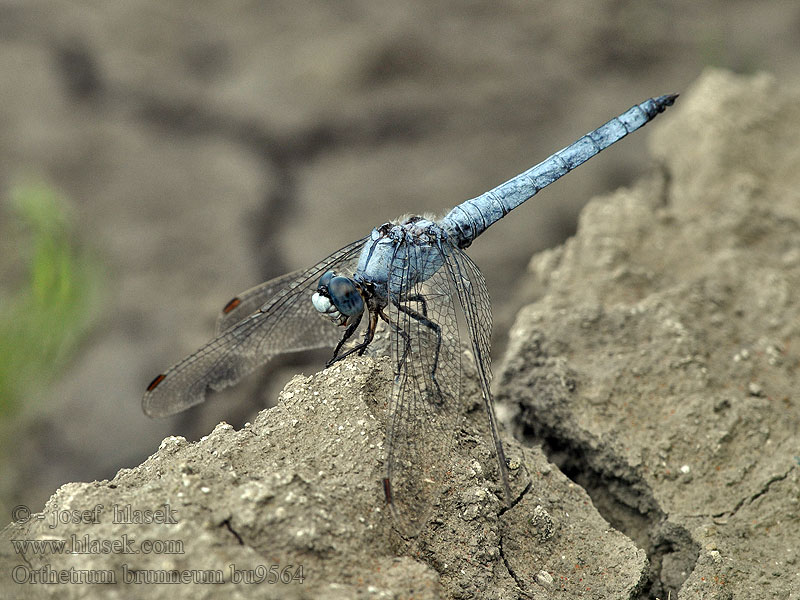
360, 348
348, 332
431, 325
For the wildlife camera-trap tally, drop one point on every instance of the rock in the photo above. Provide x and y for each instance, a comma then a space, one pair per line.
301, 487
659, 365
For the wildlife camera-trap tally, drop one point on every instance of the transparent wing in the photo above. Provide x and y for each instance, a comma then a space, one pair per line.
246, 303
285, 322
424, 406
470, 287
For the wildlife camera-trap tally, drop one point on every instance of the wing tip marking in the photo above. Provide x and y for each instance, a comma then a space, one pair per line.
232, 303
155, 383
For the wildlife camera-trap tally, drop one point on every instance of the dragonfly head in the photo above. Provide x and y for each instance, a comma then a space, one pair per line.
338, 298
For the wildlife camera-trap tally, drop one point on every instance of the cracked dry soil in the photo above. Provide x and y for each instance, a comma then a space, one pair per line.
652, 380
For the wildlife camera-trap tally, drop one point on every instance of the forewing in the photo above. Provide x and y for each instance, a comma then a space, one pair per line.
285, 322
470, 287
246, 303
424, 406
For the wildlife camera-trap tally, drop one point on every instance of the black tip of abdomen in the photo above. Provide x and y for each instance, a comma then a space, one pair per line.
664, 101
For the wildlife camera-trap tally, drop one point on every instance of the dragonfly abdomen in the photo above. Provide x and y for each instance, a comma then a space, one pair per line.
471, 218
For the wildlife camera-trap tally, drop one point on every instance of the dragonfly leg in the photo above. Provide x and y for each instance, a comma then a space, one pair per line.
424, 320
404, 335
421, 299
360, 348
348, 332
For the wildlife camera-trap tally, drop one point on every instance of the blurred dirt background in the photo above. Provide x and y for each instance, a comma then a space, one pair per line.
205, 147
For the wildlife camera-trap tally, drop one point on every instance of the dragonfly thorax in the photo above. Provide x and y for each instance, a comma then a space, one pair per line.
400, 255
411, 228
338, 298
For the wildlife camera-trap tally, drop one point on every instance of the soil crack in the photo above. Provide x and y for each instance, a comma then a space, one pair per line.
752, 498
229, 527
625, 500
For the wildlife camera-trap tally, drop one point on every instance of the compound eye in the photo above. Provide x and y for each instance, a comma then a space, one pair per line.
344, 295
325, 280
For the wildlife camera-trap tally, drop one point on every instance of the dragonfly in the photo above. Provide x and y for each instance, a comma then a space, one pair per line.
412, 276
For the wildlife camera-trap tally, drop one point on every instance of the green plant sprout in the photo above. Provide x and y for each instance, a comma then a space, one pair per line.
46, 306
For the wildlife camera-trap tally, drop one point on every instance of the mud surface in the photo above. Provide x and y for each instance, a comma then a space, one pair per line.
300, 487
653, 380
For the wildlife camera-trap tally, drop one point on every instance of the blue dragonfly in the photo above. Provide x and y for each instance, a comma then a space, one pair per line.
413, 275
